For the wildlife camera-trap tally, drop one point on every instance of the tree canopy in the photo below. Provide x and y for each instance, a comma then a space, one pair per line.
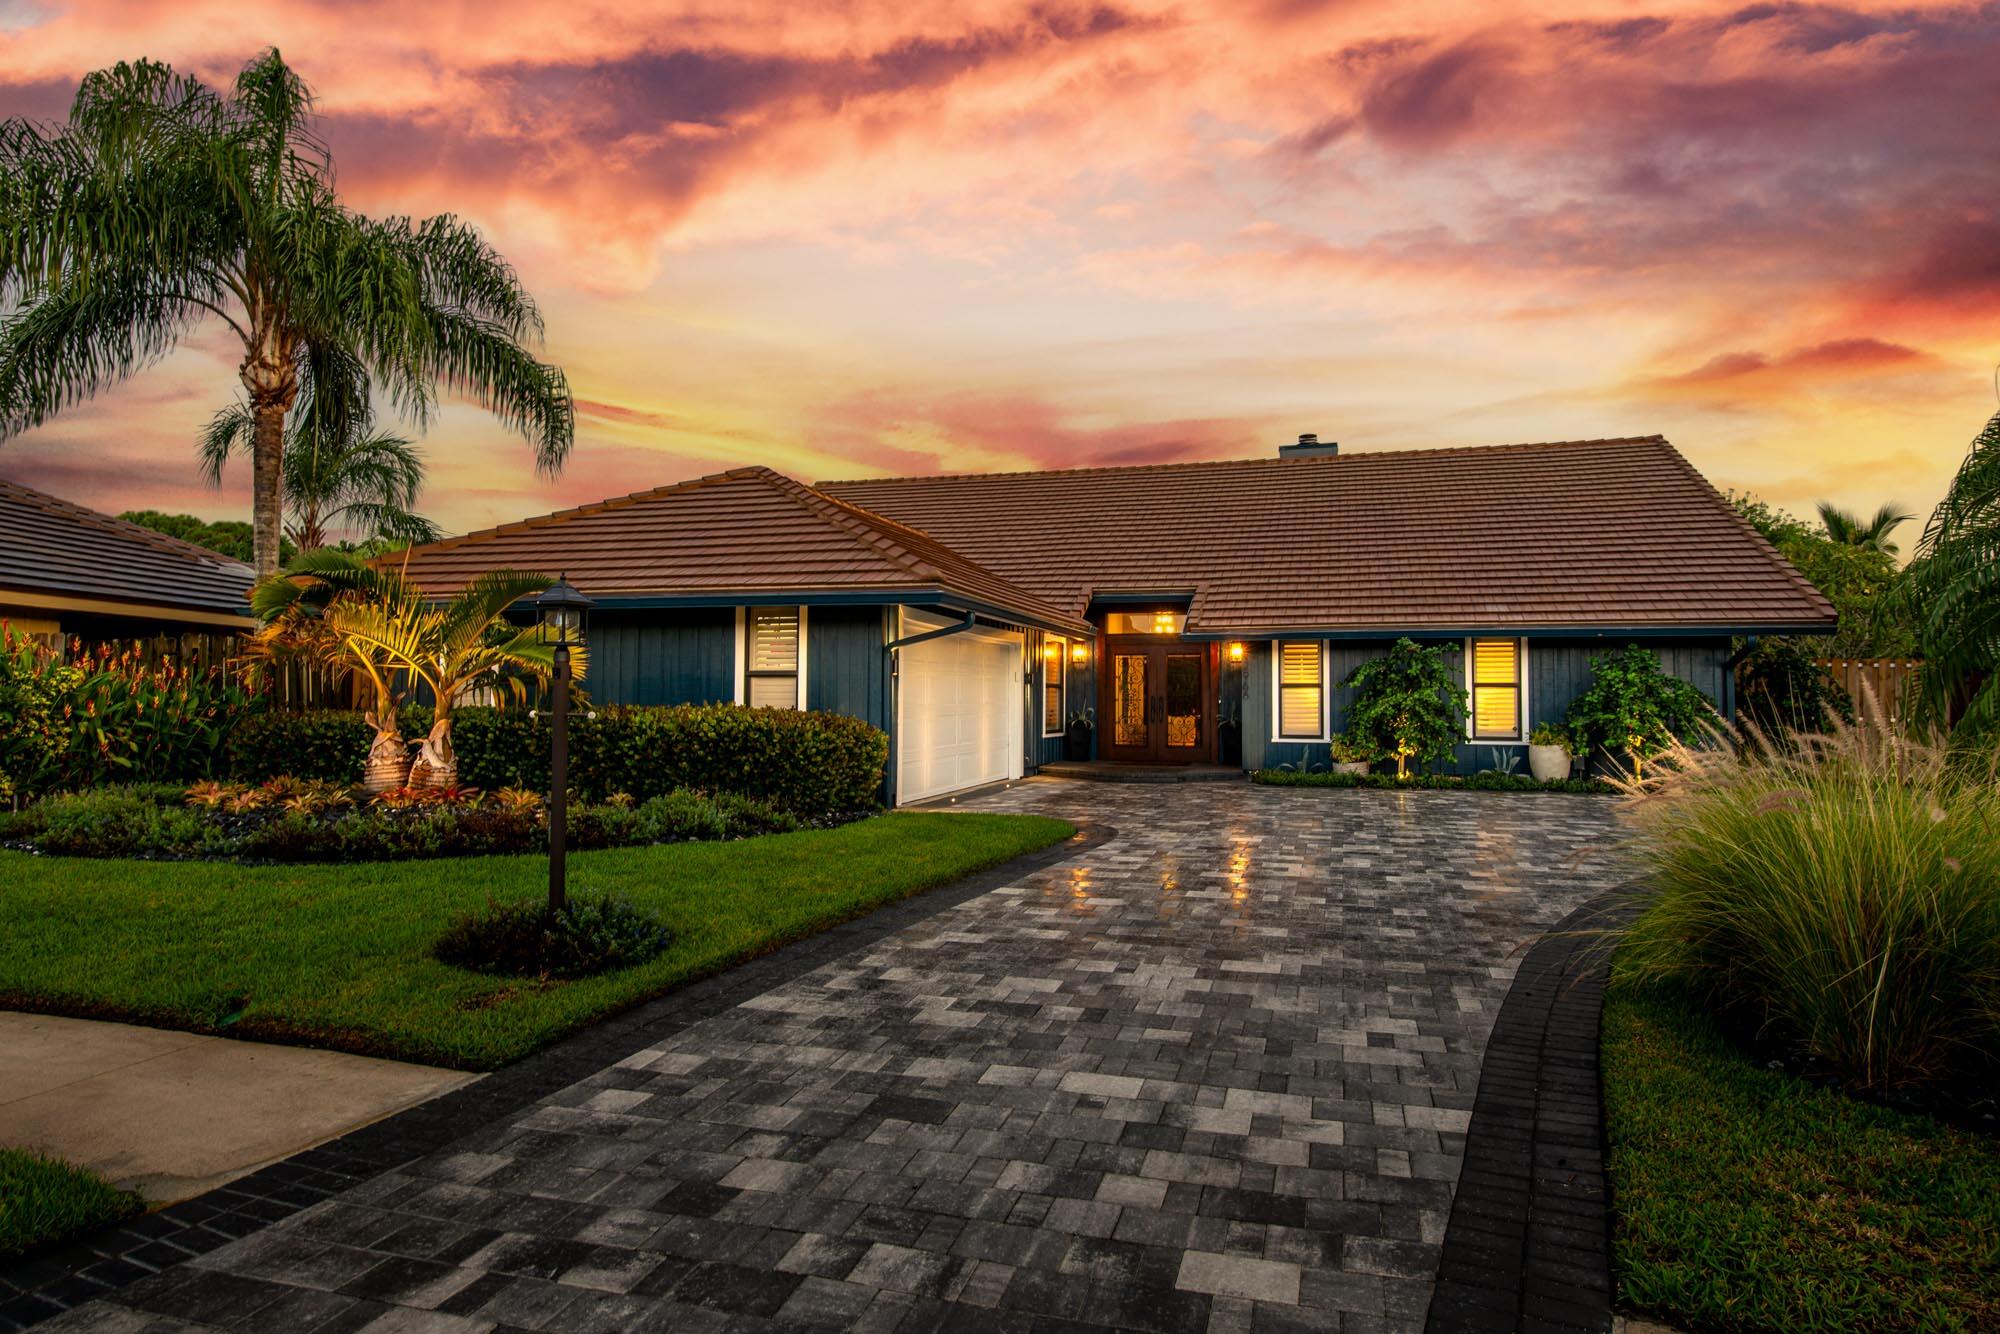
162, 205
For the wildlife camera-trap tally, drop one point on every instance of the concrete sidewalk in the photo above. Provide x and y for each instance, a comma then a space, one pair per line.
173, 1114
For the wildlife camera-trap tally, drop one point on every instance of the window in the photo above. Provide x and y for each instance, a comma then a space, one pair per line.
771, 658
1162, 622
1301, 673
1495, 669
1055, 662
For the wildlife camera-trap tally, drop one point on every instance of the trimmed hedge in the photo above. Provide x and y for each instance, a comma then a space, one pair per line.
1483, 782
152, 821
814, 765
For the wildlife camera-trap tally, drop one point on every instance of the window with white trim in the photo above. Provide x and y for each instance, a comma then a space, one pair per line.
1496, 676
1299, 668
1055, 666
771, 658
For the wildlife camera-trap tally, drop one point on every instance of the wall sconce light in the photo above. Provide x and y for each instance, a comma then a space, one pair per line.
1051, 650
1079, 652
1236, 651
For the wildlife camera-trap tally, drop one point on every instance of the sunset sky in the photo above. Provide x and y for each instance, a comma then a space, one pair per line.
907, 238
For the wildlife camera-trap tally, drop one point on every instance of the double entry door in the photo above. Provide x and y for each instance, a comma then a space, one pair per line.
1158, 697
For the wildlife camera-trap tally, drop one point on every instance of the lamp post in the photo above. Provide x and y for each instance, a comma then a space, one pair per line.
560, 610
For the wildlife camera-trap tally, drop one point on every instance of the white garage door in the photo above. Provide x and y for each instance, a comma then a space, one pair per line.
958, 707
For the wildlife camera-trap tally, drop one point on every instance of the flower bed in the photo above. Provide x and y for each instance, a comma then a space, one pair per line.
293, 820
1483, 782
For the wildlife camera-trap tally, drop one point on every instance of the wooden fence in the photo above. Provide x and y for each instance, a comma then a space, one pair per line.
1890, 680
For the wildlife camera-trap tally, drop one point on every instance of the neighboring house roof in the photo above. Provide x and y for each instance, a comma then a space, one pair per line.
748, 532
57, 554
1612, 534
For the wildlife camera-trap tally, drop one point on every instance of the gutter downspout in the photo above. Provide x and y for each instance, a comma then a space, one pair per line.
1729, 666
895, 718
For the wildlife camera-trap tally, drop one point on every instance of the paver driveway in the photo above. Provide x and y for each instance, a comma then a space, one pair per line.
1213, 1073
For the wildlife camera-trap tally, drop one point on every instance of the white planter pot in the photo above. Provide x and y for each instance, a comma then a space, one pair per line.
1350, 766
1548, 763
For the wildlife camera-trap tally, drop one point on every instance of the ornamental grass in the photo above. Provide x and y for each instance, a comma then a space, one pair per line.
1839, 892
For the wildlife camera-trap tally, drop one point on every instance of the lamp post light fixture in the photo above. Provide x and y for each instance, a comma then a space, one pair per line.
560, 612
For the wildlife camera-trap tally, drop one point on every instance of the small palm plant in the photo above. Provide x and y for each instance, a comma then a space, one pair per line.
454, 648
294, 607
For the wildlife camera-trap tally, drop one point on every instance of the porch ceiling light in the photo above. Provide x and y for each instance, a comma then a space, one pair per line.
1163, 622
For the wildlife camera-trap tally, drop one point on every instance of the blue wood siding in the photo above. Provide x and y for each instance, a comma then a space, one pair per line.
1079, 694
663, 657
847, 663
1558, 671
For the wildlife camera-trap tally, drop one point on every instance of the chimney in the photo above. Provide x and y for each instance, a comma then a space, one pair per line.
1309, 447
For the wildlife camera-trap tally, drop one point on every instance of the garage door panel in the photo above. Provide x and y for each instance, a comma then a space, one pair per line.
959, 718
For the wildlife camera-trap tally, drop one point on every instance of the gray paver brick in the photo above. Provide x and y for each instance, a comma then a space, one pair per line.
1224, 1058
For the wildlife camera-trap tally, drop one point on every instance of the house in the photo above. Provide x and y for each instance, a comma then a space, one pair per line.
70, 572
1200, 613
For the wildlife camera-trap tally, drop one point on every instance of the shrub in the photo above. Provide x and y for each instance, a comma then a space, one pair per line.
813, 765
1409, 706
589, 935
1351, 750
1633, 706
1844, 894
112, 715
1781, 689
116, 822
327, 745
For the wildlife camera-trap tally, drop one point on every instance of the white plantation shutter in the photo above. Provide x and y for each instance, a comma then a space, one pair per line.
1301, 690
773, 658
1496, 688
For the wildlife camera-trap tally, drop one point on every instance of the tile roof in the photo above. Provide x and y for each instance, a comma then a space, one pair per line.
1591, 533
51, 546
748, 531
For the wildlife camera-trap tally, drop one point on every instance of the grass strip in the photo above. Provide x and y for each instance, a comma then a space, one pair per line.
1748, 1199
339, 956
44, 1200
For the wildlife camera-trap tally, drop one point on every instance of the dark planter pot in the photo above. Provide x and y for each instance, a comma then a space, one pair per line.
1076, 743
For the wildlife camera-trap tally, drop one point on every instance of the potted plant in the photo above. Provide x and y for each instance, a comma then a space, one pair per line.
1076, 736
1549, 752
1350, 757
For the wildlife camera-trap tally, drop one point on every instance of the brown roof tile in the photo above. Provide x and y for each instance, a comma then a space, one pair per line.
748, 531
1591, 533
52, 546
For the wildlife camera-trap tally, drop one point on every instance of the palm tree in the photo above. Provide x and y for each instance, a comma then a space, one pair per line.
1845, 528
455, 649
1953, 587
162, 203
341, 475
294, 606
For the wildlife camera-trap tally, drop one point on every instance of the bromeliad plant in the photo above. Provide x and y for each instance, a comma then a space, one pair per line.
1633, 707
1409, 706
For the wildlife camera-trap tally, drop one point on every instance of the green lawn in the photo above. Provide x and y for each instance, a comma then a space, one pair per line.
1747, 1199
44, 1200
339, 955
